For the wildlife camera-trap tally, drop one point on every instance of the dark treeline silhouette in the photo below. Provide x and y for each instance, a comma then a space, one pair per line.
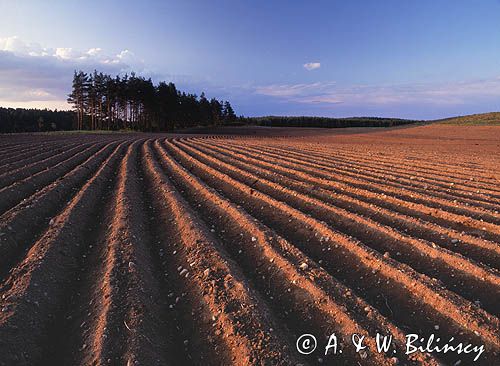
326, 122
133, 102
32, 120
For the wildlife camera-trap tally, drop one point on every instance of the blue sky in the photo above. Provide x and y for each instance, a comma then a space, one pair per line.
410, 59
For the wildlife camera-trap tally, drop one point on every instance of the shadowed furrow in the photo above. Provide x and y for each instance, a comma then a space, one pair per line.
41, 208
36, 289
37, 165
14, 193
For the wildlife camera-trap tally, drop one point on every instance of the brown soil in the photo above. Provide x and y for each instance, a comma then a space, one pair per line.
143, 249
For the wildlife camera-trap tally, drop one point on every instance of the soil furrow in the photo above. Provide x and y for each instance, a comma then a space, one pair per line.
382, 184
37, 289
24, 148
396, 165
449, 189
428, 164
28, 153
470, 280
232, 325
426, 161
182, 249
480, 250
40, 210
387, 198
426, 300
124, 325
297, 294
33, 167
16, 192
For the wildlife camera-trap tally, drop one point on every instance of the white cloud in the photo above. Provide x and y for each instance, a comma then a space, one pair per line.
67, 53
94, 51
16, 45
312, 66
95, 55
30, 73
125, 56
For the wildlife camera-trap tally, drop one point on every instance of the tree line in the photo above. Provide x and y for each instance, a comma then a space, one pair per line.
101, 101
326, 122
33, 120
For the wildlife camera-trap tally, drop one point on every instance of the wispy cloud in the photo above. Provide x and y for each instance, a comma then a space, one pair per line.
312, 66
451, 93
293, 90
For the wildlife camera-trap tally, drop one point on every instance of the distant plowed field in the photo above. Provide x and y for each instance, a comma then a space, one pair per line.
163, 250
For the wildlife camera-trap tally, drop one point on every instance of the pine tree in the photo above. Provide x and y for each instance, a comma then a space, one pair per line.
205, 111
216, 108
78, 96
228, 113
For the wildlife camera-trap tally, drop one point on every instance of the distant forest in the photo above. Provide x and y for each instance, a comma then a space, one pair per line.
326, 122
33, 120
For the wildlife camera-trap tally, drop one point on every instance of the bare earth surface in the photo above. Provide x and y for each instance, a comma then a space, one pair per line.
138, 249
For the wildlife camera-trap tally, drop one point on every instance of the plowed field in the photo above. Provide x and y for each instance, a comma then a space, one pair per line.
136, 249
